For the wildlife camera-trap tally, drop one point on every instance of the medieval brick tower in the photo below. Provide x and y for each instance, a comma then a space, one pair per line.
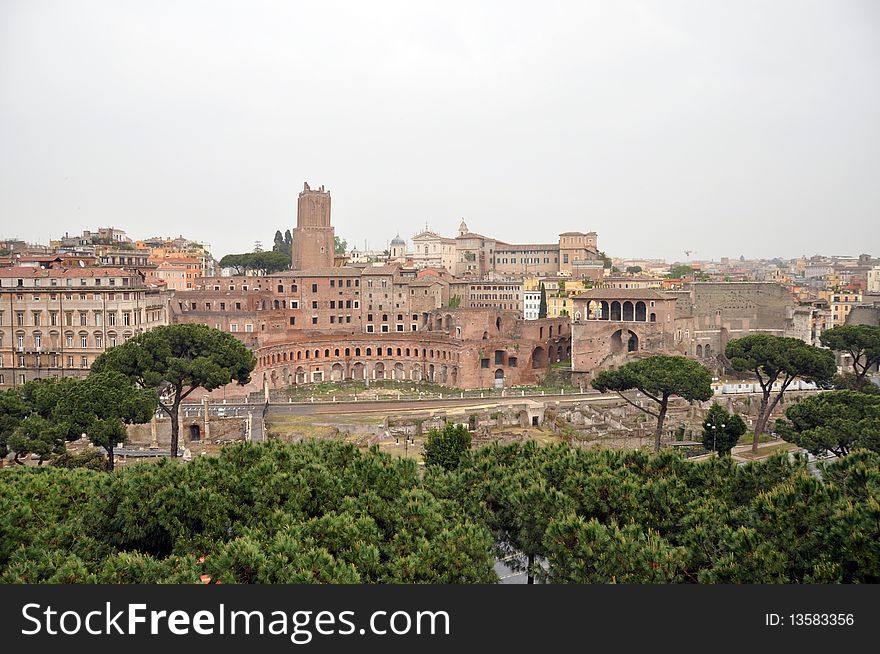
313, 235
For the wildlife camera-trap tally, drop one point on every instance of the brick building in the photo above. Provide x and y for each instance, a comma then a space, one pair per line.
460, 348
575, 254
54, 322
612, 325
322, 323
313, 243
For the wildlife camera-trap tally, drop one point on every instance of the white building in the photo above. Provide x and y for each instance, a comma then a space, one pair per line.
874, 280
430, 250
531, 304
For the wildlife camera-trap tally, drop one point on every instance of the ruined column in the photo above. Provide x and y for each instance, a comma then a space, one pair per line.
154, 440
207, 407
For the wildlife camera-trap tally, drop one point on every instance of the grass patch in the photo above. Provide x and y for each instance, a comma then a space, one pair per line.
767, 450
749, 437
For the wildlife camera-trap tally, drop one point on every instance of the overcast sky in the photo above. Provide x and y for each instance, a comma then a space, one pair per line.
728, 128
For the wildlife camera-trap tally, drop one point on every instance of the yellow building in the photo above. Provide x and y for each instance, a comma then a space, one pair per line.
559, 291
841, 304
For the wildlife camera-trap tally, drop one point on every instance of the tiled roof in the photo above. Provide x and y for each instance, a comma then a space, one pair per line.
29, 271
623, 294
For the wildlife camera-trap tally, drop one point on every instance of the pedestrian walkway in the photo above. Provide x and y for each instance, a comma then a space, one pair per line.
258, 434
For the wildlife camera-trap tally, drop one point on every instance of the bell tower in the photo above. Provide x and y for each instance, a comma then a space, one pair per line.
313, 242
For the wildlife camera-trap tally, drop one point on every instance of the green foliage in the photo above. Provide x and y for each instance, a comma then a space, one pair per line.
780, 359
606, 260
454, 302
12, 411
326, 512
722, 430
836, 421
861, 342
658, 377
101, 406
27, 421
633, 269
317, 512
176, 360
262, 263
629, 517
445, 447
340, 245
588, 552
90, 459
38, 436
848, 381
40, 416
680, 271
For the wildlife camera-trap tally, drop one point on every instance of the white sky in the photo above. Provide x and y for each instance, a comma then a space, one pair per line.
748, 127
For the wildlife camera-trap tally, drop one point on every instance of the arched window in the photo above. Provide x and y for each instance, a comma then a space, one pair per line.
640, 311
615, 310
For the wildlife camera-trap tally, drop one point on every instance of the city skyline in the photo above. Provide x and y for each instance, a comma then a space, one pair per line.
723, 130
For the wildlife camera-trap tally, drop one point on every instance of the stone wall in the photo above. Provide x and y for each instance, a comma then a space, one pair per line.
225, 430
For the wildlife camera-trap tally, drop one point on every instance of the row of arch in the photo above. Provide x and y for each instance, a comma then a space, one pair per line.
617, 311
326, 353
704, 352
552, 354
362, 370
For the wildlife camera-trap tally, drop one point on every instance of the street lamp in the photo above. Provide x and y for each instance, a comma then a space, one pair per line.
715, 435
407, 441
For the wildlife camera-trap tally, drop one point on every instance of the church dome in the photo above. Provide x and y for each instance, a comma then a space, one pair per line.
463, 228
398, 241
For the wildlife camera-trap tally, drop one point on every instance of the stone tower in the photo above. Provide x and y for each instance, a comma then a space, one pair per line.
313, 243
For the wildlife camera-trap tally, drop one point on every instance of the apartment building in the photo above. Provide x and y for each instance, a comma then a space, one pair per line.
55, 322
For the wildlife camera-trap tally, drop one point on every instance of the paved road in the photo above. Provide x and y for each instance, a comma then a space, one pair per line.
258, 433
373, 406
326, 406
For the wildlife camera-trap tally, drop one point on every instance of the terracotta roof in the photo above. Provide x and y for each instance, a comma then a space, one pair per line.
341, 271
504, 247
623, 294
425, 281
28, 271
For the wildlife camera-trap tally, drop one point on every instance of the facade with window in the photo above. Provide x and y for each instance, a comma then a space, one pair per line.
54, 322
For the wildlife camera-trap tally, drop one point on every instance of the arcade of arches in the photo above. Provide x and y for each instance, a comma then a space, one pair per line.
461, 348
